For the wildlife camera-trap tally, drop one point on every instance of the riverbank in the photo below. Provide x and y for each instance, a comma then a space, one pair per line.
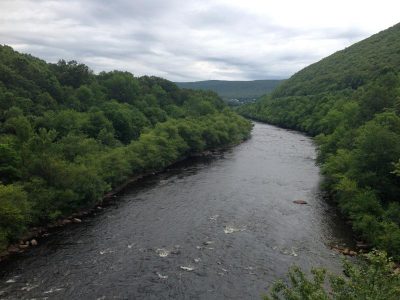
32, 237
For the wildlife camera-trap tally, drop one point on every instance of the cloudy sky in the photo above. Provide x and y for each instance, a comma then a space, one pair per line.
185, 40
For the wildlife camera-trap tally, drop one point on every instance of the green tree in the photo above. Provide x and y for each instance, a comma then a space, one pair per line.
14, 212
372, 279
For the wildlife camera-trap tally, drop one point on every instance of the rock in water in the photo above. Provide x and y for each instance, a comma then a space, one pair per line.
214, 217
187, 268
34, 242
162, 252
230, 229
162, 276
10, 281
300, 202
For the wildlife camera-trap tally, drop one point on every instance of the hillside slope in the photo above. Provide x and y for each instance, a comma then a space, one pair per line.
244, 91
68, 136
350, 68
351, 102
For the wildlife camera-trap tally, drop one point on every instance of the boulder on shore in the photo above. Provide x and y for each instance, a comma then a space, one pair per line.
361, 245
4, 253
65, 222
13, 249
23, 246
344, 251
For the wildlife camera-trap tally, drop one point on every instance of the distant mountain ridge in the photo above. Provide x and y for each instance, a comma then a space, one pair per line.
243, 91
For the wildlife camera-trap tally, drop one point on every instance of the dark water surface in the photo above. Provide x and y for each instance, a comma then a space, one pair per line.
213, 228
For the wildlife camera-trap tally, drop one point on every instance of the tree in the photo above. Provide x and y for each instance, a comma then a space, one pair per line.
121, 86
372, 279
9, 164
14, 212
72, 73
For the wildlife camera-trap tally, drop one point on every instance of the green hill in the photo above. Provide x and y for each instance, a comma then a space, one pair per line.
243, 91
350, 68
68, 136
351, 102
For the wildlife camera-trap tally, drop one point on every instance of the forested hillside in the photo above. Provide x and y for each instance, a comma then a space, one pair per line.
243, 91
67, 136
351, 102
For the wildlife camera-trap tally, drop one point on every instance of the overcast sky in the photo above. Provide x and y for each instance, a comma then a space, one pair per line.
192, 40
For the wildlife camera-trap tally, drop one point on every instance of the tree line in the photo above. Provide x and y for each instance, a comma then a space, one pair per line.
68, 136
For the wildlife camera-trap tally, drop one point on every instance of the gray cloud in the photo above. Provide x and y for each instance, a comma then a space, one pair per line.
180, 40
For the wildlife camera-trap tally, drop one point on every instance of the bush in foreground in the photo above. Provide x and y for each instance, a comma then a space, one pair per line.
374, 277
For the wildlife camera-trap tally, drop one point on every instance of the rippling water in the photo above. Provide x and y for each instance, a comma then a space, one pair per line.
211, 228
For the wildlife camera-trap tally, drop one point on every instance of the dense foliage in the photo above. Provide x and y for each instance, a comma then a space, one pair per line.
351, 102
243, 91
373, 278
67, 136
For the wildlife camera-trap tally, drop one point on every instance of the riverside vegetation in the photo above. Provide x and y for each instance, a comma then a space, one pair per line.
68, 136
350, 102
371, 278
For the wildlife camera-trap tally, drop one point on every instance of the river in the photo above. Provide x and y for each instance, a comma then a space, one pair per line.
223, 226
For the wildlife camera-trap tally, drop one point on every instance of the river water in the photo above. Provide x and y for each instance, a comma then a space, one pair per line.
224, 226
